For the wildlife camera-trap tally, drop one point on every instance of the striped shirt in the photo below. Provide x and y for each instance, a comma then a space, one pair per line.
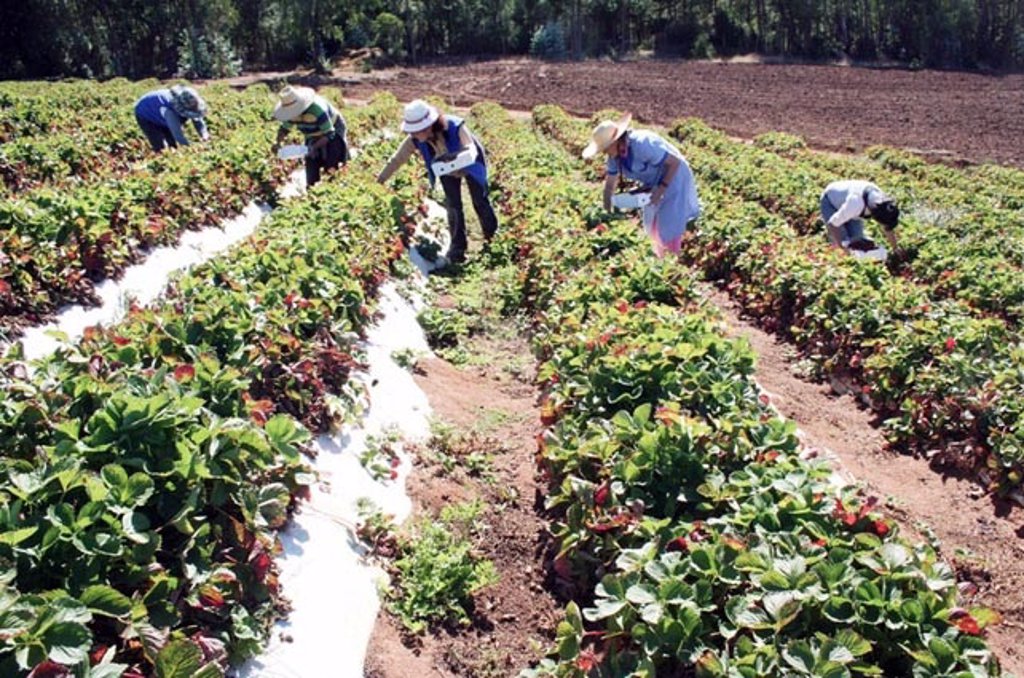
316, 121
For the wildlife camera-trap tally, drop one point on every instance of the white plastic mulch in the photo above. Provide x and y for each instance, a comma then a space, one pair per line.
332, 590
144, 282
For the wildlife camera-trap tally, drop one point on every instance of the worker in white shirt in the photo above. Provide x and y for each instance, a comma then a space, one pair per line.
845, 204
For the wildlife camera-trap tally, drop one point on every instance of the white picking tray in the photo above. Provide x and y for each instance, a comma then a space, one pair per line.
292, 151
877, 254
631, 201
448, 163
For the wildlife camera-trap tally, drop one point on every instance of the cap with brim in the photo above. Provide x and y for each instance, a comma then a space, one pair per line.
418, 116
605, 134
292, 101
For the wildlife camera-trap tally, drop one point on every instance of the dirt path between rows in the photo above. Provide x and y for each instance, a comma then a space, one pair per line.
979, 535
516, 616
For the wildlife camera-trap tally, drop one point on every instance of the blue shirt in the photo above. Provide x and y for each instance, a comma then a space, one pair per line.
645, 158
155, 107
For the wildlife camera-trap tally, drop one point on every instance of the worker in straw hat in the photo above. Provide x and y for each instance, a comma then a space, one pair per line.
434, 134
658, 167
845, 204
162, 113
321, 125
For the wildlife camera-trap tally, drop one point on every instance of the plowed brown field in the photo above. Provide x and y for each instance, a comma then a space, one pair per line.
952, 115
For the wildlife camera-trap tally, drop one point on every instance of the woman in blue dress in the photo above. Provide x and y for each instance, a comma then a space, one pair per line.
660, 168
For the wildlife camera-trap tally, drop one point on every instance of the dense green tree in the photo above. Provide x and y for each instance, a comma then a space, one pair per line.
137, 38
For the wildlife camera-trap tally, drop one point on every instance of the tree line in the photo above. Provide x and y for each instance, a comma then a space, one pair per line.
207, 38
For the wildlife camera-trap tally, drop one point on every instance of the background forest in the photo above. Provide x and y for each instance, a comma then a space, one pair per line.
208, 38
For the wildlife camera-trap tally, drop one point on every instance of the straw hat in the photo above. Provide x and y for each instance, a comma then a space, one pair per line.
418, 116
606, 134
187, 103
293, 101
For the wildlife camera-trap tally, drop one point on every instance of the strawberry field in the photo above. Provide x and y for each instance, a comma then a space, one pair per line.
149, 467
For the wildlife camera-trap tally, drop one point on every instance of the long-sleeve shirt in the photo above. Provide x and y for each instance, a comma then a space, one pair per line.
407, 149
155, 107
848, 197
316, 121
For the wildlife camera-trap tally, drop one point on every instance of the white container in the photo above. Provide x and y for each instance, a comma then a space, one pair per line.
631, 201
292, 151
448, 163
877, 254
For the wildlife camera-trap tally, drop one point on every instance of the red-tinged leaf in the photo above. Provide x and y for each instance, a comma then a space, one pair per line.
5, 287
880, 527
968, 624
601, 495
850, 519
289, 300
120, 341
96, 654
622, 306
587, 660
562, 567
50, 669
394, 474
211, 597
640, 304
820, 542
260, 563
183, 373
678, 544
734, 543
764, 399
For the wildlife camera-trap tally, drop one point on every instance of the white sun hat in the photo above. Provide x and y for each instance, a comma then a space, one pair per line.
293, 101
418, 116
605, 134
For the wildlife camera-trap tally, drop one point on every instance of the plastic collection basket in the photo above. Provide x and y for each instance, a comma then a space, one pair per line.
450, 162
631, 201
292, 151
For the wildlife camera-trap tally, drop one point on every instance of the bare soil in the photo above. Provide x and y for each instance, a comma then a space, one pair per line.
514, 621
951, 115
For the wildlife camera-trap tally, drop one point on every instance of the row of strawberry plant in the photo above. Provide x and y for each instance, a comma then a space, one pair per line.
970, 249
945, 377
56, 244
104, 142
147, 468
970, 257
697, 537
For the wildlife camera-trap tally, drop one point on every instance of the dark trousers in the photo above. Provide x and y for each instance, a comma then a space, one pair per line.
457, 217
329, 157
158, 135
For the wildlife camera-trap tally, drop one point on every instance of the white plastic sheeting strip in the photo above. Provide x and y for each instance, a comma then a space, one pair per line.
144, 282
332, 590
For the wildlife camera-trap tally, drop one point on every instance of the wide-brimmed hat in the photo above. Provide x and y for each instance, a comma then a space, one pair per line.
187, 103
292, 101
418, 116
605, 134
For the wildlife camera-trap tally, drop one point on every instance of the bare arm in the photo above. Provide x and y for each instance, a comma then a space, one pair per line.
671, 167
611, 182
